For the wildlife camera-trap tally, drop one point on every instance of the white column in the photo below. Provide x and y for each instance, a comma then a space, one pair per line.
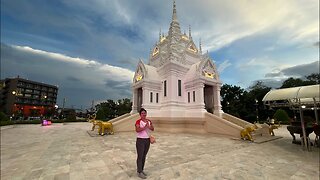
200, 95
134, 101
217, 104
144, 97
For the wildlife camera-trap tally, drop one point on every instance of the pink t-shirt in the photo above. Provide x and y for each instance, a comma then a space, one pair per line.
144, 133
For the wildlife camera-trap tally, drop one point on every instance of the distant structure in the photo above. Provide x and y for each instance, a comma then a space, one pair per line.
178, 81
23, 98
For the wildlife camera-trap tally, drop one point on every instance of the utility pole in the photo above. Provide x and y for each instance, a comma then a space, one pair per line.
257, 112
63, 104
92, 106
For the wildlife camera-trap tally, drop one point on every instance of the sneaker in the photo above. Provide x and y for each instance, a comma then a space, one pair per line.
142, 176
144, 173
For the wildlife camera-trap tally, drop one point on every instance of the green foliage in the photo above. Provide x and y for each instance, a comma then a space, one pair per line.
241, 103
57, 121
5, 123
101, 115
314, 78
296, 82
111, 109
71, 117
281, 115
3, 117
36, 121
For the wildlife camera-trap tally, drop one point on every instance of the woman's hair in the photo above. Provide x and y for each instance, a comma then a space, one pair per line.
142, 109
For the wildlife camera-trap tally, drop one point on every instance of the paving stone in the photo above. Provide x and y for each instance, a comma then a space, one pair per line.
69, 152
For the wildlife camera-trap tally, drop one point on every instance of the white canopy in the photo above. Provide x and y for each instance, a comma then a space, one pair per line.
304, 94
293, 97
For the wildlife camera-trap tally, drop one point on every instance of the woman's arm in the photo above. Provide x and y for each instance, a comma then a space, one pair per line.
139, 129
150, 125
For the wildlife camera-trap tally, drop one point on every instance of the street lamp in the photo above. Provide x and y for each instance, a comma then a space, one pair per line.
257, 109
228, 107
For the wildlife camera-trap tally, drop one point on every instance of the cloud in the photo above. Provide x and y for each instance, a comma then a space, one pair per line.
224, 65
296, 71
91, 45
67, 72
276, 78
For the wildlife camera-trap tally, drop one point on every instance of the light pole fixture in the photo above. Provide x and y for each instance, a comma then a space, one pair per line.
257, 109
228, 106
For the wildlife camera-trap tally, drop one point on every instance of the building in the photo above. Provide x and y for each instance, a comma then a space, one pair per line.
23, 98
179, 80
180, 89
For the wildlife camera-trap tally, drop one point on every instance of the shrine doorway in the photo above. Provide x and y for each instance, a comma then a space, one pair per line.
208, 98
139, 99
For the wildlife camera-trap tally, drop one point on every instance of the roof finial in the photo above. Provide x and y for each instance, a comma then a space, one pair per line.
190, 37
200, 49
160, 35
174, 14
174, 25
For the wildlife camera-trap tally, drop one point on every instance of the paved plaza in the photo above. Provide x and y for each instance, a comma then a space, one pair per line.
68, 151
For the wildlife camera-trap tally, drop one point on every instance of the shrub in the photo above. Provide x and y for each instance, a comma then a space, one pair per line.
36, 121
3, 117
71, 118
5, 123
57, 121
281, 115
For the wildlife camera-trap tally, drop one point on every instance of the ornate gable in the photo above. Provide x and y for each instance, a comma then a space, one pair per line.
192, 47
140, 73
208, 69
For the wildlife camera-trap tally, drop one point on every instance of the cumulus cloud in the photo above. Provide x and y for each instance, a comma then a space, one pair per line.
95, 43
224, 65
69, 73
275, 79
298, 71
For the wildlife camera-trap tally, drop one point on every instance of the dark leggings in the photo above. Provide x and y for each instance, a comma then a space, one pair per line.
142, 145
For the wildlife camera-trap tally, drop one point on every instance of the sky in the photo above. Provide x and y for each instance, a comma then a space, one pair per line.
90, 49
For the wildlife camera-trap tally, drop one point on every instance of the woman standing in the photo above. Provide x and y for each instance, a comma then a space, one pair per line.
143, 128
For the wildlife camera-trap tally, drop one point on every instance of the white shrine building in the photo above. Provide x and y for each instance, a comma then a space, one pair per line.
178, 81
179, 87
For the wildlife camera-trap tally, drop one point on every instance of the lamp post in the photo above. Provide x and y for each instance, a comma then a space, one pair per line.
228, 107
44, 103
257, 113
64, 102
19, 112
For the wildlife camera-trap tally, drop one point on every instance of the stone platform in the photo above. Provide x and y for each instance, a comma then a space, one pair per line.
69, 152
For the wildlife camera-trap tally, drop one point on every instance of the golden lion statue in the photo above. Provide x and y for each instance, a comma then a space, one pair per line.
105, 126
94, 123
246, 133
92, 119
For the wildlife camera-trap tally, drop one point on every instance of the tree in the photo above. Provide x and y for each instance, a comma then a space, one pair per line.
123, 106
232, 98
314, 78
111, 109
281, 115
101, 114
291, 82
3, 117
257, 92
